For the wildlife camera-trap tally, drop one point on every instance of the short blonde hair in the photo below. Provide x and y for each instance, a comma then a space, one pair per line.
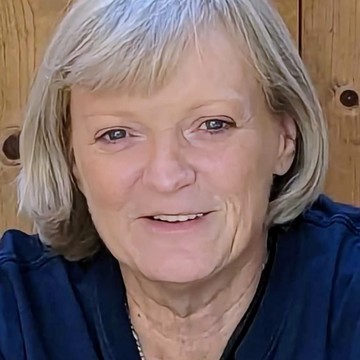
134, 45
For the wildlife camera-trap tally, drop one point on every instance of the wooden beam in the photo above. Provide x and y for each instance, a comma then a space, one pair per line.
331, 51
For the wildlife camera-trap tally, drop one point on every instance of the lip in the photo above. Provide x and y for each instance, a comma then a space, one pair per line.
156, 226
172, 213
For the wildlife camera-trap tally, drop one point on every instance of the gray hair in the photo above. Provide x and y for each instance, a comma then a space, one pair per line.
134, 46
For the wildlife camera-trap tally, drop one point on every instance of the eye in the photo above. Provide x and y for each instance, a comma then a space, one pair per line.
216, 125
113, 135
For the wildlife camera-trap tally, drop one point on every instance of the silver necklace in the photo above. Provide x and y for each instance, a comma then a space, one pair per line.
135, 335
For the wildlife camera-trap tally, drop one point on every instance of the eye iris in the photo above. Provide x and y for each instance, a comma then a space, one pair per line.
116, 134
215, 124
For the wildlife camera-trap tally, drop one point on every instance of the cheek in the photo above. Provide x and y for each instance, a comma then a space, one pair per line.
106, 181
241, 168
241, 177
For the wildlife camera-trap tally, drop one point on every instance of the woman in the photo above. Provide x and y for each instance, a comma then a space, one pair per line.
173, 158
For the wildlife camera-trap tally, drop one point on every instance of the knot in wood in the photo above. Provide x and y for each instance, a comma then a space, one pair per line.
349, 98
10, 147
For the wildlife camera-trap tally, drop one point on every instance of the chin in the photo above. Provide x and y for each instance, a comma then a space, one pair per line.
176, 271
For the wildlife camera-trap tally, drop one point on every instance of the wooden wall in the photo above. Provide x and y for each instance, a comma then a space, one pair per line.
330, 46
25, 27
289, 9
327, 33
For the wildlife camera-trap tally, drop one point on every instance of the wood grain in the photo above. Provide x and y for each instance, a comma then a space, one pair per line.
25, 26
331, 51
289, 10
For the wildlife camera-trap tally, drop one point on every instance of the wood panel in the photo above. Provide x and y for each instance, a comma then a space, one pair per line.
331, 50
25, 26
289, 10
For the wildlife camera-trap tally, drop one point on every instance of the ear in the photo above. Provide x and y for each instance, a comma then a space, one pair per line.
287, 145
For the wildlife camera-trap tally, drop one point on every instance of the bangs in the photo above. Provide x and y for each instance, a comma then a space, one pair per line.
135, 47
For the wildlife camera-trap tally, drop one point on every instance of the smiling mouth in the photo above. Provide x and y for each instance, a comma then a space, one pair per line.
173, 224
176, 218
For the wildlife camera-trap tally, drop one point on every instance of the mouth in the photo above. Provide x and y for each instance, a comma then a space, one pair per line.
176, 218
175, 223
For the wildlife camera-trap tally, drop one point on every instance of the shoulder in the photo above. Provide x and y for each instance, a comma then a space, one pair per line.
22, 258
328, 237
330, 226
22, 249
24, 264
328, 233
39, 288
325, 213
334, 230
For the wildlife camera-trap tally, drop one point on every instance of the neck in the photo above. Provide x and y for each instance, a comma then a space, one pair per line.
192, 321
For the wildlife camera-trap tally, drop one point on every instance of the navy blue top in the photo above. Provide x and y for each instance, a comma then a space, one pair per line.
52, 309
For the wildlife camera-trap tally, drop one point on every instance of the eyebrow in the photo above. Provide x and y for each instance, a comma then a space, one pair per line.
227, 99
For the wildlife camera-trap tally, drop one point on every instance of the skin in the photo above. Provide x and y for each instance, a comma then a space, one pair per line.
138, 156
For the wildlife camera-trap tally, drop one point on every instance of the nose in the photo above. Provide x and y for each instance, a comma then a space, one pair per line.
167, 169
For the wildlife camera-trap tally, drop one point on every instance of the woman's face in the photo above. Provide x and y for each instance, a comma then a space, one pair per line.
178, 183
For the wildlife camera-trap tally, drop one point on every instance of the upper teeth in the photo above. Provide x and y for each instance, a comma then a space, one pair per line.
174, 218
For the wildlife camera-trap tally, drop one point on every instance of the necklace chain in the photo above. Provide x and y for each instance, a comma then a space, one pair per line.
135, 335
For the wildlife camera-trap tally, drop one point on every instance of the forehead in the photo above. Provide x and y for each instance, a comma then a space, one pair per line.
213, 69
